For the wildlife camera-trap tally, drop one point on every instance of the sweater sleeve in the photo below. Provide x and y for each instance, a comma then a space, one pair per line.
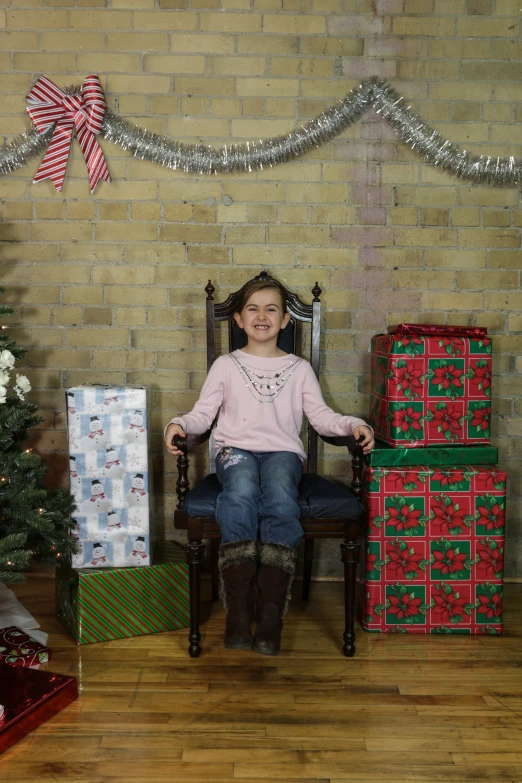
200, 418
322, 418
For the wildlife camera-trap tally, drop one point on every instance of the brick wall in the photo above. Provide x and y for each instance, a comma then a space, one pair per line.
109, 288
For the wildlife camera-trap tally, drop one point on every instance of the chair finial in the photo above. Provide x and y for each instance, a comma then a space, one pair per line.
316, 291
262, 275
209, 288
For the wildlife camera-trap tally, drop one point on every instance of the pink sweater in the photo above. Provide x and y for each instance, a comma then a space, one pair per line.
261, 404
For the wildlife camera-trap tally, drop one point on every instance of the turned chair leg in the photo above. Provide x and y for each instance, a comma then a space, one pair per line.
195, 551
307, 568
214, 570
350, 552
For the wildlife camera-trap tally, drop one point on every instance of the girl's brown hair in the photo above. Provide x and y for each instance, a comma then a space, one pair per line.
258, 285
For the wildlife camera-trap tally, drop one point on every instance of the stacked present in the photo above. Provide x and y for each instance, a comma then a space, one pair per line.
436, 500
112, 590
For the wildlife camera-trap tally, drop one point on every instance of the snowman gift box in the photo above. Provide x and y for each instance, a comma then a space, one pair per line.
108, 436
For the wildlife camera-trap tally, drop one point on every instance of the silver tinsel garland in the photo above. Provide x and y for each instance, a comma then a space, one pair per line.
200, 159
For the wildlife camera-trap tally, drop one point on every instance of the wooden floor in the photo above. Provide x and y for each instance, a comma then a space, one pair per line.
406, 708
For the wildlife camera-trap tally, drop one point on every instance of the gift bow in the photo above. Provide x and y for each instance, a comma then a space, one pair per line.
49, 106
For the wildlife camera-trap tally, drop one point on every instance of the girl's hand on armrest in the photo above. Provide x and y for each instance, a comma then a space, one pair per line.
364, 436
172, 430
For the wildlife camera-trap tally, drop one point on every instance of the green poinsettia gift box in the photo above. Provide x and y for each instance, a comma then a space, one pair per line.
429, 389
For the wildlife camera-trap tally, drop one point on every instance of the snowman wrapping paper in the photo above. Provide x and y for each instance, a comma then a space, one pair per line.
109, 475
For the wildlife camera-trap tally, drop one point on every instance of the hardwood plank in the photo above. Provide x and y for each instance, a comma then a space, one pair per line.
374, 773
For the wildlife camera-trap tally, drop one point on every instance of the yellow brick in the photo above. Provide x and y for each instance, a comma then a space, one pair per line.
142, 3
97, 337
204, 213
230, 22
139, 42
127, 360
81, 377
263, 256
93, 253
188, 127
434, 111
98, 316
140, 83
10, 188
43, 61
117, 211
42, 273
399, 174
446, 300
132, 316
295, 171
15, 232
494, 197
111, 62
505, 301
161, 104
499, 259
173, 340
462, 216
268, 45
77, 232
403, 216
239, 191
504, 134
40, 20
452, 91
225, 107
262, 213
301, 66
171, 63
299, 235
464, 132
164, 379
64, 316
186, 360
423, 279
191, 233
37, 315
489, 237
79, 210
473, 27
83, 294
279, 107
413, 25
154, 254
48, 210
121, 275
99, 20
332, 215
294, 24
207, 44
293, 214
145, 211
13, 125
18, 210
235, 213
59, 358
69, 41
515, 323
33, 252
497, 112
425, 237
16, 82
147, 296
508, 92
483, 280
434, 217
465, 111
468, 259
245, 235
460, 49
39, 337
126, 231
258, 129
317, 194
10, 42
425, 196
193, 85
270, 87
236, 66
496, 217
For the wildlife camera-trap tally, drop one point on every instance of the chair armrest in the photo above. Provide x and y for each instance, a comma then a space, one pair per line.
356, 450
341, 440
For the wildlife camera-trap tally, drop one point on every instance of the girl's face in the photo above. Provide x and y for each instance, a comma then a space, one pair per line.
262, 317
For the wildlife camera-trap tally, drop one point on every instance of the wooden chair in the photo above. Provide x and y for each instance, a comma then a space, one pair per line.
325, 506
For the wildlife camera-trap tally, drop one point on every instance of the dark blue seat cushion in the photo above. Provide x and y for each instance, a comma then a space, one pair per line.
318, 499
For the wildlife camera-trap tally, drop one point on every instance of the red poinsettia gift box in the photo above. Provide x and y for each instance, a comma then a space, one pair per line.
434, 549
431, 388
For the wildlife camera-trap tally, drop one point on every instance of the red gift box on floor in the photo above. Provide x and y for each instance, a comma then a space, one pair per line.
17, 648
434, 550
431, 389
29, 698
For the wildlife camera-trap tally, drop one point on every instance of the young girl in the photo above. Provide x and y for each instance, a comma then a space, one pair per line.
261, 393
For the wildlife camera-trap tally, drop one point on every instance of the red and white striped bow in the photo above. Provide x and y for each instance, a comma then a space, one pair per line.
48, 106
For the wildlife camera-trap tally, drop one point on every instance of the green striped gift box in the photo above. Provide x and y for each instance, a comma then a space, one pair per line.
114, 603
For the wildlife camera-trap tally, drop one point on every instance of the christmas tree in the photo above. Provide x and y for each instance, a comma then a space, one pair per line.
34, 522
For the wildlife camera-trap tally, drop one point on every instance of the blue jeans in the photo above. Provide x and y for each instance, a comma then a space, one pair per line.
259, 496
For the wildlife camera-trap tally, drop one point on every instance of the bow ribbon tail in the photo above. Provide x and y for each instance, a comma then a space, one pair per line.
55, 160
94, 157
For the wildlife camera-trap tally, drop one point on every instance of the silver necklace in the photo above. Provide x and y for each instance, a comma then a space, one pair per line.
266, 391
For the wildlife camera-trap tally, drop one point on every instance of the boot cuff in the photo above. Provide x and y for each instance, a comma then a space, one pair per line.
279, 556
236, 552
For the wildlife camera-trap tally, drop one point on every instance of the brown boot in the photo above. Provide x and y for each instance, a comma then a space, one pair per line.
237, 568
274, 579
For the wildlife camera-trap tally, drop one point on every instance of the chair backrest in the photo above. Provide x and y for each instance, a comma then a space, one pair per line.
308, 314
